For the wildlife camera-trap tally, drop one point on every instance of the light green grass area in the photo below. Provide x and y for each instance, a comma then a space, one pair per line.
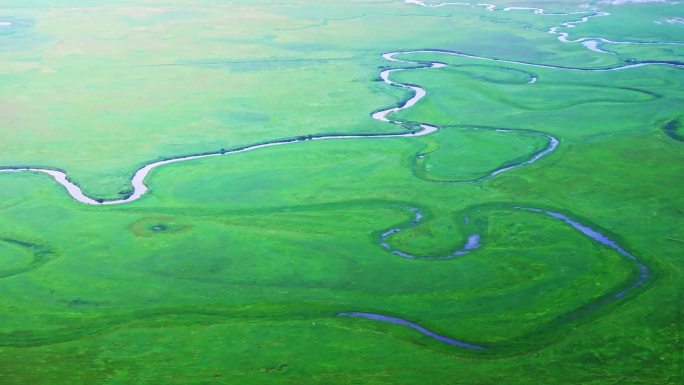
640, 22
648, 22
149, 81
233, 269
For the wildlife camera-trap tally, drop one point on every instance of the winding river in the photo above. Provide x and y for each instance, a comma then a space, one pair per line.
473, 243
417, 93
591, 43
138, 180
412, 325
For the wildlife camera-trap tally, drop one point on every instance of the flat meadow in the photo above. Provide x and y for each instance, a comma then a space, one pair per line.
236, 269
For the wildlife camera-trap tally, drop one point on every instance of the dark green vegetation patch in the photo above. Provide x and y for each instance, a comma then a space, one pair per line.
17, 257
674, 130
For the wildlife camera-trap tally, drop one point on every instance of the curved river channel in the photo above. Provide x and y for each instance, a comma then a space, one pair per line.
473, 242
419, 129
590, 43
138, 180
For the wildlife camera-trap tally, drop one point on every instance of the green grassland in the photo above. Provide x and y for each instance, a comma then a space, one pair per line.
232, 270
89, 73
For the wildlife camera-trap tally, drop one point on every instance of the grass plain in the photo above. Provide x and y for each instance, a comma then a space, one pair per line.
233, 269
